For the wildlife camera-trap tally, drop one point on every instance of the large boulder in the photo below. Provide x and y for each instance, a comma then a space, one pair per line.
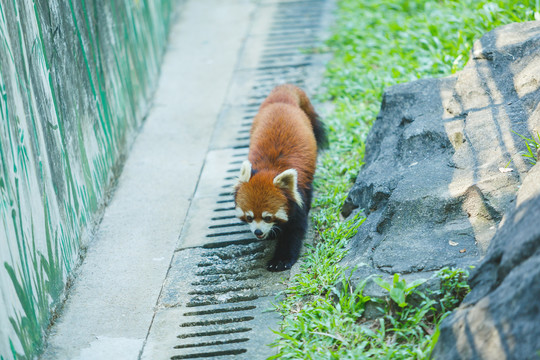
500, 317
443, 166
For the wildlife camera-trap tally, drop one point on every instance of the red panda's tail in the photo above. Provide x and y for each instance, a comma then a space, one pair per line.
293, 95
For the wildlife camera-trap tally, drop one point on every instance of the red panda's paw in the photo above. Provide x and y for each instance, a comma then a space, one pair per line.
275, 265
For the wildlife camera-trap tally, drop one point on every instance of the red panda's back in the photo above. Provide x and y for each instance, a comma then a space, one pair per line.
282, 138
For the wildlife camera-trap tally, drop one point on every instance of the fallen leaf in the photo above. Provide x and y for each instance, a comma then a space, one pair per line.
506, 170
462, 250
452, 243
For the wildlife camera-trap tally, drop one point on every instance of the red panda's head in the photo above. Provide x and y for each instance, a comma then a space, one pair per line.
262, 200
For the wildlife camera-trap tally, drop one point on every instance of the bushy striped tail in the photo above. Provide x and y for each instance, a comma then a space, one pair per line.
318, 127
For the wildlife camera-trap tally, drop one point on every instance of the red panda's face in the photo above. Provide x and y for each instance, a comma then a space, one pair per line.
261, 204
261, 201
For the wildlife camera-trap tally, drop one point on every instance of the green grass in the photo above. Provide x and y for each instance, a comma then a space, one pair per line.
376, 44
332, 325
533, 147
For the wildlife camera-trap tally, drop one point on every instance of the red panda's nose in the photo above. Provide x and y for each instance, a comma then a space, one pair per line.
258, 233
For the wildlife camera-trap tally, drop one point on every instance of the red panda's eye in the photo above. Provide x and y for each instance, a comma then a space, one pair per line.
249, 218
267, 219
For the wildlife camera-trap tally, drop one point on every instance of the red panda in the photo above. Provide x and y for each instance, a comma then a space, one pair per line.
273, 193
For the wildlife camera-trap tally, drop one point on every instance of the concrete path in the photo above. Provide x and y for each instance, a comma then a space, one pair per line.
111, 304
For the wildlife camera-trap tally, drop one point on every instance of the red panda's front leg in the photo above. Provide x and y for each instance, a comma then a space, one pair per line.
289, 241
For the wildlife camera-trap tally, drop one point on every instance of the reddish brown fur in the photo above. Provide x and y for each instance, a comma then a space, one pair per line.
281, 138
261, 195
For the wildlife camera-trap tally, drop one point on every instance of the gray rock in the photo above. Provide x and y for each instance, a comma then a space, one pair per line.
431, 187
500, 318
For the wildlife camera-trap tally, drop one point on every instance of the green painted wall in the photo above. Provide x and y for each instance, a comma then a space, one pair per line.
75, 81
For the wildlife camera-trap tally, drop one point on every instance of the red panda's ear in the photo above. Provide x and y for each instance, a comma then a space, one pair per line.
245, 174
289, 180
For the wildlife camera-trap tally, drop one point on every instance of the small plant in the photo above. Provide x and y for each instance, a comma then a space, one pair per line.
454, 287
533, 147
399, 289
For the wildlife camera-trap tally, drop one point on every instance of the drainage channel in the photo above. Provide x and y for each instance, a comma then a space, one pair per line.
216, 301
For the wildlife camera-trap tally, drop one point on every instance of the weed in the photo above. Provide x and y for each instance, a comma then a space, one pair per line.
533, 147
453, 289
399, 289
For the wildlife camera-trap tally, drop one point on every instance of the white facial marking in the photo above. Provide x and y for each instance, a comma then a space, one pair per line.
282, 215
261, 225
249, 213
266, 213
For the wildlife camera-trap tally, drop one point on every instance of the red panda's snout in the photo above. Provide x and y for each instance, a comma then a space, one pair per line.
261, 201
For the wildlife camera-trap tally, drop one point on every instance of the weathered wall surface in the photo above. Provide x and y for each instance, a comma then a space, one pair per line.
75, 79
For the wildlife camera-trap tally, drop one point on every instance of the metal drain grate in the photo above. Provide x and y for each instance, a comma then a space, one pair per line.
217, 298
